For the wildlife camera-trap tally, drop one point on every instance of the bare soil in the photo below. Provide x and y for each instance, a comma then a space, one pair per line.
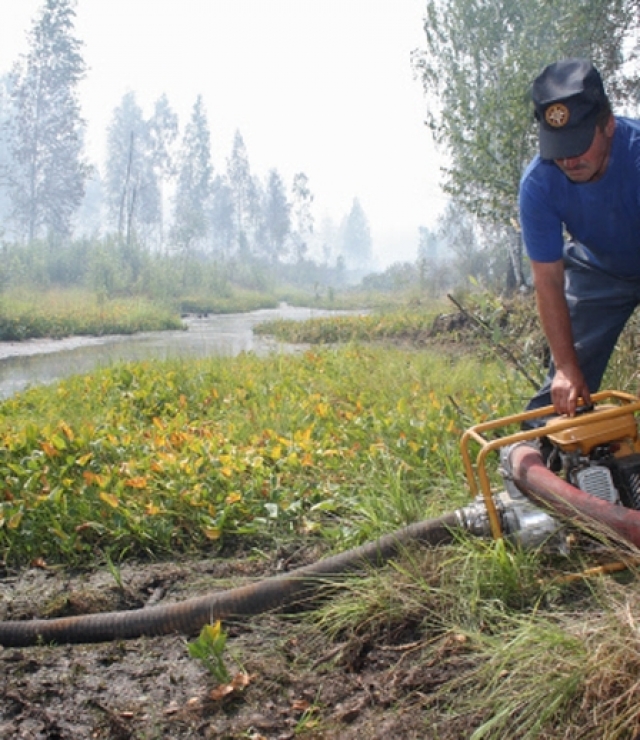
290, 681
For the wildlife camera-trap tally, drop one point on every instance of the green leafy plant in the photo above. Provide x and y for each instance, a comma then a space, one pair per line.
208, 648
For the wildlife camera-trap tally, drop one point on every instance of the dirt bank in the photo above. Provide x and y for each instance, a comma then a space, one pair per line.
292, 683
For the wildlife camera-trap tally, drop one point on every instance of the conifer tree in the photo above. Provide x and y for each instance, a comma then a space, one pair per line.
193, 189
277, 218
357, 243
47, 174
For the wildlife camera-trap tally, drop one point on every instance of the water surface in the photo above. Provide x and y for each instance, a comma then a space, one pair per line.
42, 361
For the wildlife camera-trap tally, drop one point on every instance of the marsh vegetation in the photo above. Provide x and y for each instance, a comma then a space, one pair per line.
149, 481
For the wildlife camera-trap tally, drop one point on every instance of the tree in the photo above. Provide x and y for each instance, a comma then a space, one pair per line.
193, 188
479, 61
427, 244
302, 215
132, 191
357, 245
222, 217
458, 234
6, 168
244, 192
47, 177
277, 217
163, 133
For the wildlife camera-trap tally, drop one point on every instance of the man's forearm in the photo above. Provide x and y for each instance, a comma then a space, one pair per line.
554, 314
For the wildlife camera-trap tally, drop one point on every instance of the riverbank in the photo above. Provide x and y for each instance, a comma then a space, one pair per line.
43, 361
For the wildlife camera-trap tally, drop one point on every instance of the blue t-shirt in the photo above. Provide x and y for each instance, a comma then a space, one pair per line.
604, 216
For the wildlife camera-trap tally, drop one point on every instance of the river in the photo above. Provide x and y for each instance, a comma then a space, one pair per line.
43, 361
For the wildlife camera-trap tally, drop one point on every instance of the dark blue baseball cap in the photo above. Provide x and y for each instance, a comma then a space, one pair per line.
568, 96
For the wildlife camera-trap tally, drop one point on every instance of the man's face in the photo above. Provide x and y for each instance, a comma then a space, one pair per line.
592, 164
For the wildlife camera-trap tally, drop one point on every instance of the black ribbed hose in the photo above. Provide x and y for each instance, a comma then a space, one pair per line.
189, 616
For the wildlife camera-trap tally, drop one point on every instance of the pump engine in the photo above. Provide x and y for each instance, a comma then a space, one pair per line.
600, 456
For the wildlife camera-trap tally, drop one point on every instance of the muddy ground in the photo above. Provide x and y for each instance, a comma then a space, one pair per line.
291, 681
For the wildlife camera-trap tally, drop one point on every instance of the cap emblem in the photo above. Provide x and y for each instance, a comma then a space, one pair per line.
557, 115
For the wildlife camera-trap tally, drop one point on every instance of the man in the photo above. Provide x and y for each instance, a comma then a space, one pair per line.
580, 216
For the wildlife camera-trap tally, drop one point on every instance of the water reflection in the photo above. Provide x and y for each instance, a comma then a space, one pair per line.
36, 362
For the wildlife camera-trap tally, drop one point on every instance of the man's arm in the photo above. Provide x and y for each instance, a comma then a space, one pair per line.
568, 383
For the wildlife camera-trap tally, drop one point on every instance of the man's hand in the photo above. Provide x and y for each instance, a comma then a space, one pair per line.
567, 387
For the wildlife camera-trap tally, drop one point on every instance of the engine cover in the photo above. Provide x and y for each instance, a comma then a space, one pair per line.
585, 437
626, 477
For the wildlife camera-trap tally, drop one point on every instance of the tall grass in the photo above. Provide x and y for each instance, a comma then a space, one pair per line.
508, 652
56, 314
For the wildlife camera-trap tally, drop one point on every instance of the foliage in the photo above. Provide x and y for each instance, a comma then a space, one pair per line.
58, 315
167, 457
302, 215
277, 217
478, 64
194, 182
232, 218
357, 244
400, 324
132, 189
208, 648
245, 194
112, 268
46, 174
487, 323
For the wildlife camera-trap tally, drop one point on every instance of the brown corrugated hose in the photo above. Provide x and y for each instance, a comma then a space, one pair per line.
189, 616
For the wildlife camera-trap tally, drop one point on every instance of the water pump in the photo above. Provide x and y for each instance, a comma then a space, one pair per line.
597, 452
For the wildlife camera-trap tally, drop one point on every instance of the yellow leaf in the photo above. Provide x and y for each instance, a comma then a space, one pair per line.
212, 631
49, 450
227, 472
233, 498
138, 482
14, 521
66, 429
109, 498
211, 533
82, 461
152, 509
322, 409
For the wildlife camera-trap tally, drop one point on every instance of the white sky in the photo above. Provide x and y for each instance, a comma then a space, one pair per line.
323, 87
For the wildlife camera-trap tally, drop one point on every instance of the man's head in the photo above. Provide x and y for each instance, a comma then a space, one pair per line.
570, 102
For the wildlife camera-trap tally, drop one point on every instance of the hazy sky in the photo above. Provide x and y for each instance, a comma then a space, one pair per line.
323, 87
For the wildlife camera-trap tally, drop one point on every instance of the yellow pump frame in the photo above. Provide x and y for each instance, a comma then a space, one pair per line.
477, 476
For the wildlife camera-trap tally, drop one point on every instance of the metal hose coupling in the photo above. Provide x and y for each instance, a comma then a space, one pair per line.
521, 521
